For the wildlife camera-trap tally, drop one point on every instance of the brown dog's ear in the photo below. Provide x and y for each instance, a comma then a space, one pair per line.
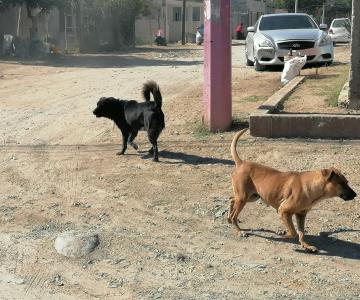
328, 173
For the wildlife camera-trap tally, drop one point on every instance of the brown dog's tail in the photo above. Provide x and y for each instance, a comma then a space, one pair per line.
234, 153
153, 88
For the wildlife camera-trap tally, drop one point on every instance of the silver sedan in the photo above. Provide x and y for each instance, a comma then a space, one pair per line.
275, 35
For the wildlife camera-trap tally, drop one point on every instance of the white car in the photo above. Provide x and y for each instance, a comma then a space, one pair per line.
340, 30
275, 35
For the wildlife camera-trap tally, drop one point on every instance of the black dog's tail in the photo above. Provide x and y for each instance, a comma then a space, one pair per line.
152, 87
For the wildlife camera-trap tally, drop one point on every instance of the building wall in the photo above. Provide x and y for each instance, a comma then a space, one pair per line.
246, 12
147, 26
165, 16
175, 25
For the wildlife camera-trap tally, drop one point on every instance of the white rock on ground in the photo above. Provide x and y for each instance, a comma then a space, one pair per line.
76, 244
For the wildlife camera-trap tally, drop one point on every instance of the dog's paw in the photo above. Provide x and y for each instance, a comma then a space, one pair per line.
289, 236
135, 146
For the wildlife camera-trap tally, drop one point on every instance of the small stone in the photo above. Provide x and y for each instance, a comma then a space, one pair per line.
57, 280
243, 234
220, 212
209, 266
181, 257
262, 267
76, 244
20, 281
115, 283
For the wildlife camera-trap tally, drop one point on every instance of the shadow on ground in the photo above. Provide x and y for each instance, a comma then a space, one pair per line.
327, 244
190, 159
106, 61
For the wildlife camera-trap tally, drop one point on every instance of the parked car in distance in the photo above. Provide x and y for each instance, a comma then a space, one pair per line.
275, 35
340, 30
199, 38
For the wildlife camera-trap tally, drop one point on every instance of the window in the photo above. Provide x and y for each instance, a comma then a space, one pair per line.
196, 14
69, 24
177, 14
280, 22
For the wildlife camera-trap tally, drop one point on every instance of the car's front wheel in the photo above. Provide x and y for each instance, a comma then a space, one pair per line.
258, 66
248, 61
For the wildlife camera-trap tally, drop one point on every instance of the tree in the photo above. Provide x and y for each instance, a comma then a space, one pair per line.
115, 16
123, 15
34, 9
354, 81
333, 8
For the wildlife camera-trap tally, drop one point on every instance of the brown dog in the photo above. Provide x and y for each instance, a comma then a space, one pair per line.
288, 192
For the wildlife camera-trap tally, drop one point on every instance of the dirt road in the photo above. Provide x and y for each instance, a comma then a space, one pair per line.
161, 226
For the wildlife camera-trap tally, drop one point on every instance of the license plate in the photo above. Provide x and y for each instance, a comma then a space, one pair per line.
307, 52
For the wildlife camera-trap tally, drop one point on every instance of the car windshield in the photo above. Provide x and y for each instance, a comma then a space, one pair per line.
287, 22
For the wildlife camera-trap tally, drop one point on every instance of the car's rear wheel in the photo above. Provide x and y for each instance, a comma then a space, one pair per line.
258, 66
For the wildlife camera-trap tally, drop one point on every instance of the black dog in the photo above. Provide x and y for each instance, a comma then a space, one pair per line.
131, 116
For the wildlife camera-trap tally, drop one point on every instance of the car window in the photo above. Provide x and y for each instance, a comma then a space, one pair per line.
287, 22
338, 23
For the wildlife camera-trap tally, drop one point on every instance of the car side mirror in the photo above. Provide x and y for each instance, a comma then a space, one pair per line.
323, 26
251, 29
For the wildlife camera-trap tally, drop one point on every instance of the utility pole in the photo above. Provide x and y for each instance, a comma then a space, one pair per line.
323, 14
296, 5
183, 41
217, 65
354, 82
163, 25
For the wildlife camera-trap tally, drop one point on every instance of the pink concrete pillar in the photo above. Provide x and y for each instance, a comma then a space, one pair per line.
217, 65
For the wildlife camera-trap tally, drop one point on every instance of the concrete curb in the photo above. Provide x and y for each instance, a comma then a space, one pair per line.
271, 104
267, 122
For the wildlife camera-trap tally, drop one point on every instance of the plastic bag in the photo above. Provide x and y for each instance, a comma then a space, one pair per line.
292, 68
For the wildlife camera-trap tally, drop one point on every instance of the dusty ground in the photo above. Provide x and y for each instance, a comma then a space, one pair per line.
161, 227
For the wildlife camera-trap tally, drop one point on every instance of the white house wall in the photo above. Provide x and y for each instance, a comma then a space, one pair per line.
146, 27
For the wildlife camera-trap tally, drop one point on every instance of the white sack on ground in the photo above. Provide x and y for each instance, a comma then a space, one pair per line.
292, 68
